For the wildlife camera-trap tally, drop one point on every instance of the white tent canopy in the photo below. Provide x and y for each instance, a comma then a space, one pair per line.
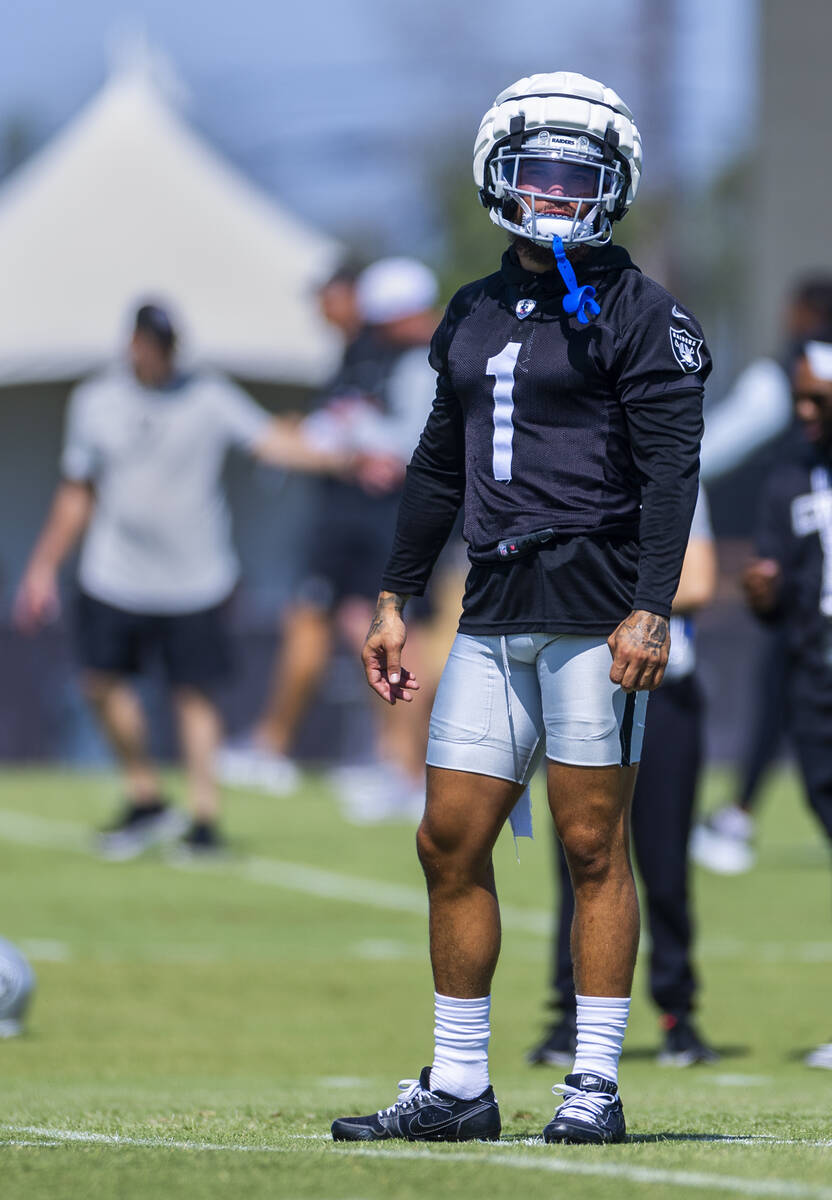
128, 204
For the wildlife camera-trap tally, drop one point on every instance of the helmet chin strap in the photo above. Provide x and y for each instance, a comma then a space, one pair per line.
578, 301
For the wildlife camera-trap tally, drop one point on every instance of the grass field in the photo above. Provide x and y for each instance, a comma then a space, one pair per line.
196, 1029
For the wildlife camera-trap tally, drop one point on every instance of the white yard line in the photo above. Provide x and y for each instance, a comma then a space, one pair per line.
50, 834
55, 1137
554, 1162
646, 1175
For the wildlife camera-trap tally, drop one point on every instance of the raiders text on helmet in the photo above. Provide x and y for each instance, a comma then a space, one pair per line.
558, 153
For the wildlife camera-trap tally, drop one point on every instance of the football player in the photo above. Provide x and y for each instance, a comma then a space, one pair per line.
567, 423
790, 582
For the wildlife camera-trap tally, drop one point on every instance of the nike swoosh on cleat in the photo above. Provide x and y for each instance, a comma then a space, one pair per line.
435, 1126
675, 312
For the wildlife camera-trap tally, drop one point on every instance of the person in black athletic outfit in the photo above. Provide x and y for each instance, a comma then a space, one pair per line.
789, 584
567, 424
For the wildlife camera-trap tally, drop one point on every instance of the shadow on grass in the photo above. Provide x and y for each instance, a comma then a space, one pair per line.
635, 1053
651, 1138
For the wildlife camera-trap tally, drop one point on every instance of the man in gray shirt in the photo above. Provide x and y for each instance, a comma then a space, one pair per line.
141, 478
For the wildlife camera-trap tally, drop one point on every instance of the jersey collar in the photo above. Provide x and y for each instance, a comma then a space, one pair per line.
599, 261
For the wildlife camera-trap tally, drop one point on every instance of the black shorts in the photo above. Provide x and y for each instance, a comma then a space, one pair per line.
347, 542
193, 648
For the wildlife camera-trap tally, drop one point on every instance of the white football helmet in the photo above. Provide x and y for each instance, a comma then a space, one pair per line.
17, 982
558, 153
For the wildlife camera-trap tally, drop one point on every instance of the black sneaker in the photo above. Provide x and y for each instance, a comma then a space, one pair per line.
138, 828
682, 1044
203, 840
591, 1112
558, 1046
420, 1115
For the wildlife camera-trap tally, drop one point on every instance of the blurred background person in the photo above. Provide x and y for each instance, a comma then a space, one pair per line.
141, 470
17, 984
376, 405
757, 416
789, 583
663, 805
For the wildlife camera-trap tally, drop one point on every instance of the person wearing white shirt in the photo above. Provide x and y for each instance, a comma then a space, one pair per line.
141, 467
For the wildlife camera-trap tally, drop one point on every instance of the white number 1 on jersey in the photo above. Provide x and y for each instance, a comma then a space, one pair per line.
502, 366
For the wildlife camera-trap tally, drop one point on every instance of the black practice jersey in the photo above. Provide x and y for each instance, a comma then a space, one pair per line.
795, 529
539, 423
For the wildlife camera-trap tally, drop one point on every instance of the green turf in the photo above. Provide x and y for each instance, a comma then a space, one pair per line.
241, 1008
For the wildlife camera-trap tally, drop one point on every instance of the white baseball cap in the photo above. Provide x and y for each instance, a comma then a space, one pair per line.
393, 288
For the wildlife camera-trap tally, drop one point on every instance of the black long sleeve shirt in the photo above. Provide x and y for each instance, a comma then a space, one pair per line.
794, 527
591, 431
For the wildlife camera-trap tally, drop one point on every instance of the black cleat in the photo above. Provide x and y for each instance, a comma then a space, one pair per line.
682, 1044
591, 1112
420, 1115
558, 1046
203, 840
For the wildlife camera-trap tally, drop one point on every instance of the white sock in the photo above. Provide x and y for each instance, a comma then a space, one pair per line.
460, 1059
602, 1023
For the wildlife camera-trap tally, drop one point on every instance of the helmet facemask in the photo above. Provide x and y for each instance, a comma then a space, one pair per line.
555, 183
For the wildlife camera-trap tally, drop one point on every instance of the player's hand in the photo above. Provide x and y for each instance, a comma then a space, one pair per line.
639, 649
761, 583
382, 653
379, 474
37, 601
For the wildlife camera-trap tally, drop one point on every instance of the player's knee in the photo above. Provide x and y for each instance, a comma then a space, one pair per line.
589, 853
446, 858
433, 851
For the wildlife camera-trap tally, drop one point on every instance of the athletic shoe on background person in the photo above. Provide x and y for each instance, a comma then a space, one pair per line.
820, 1057
201, 840
591, 1112
139, 828
246, 765
723, 841
371, 793
420, 1115
558, 1046
682, 1044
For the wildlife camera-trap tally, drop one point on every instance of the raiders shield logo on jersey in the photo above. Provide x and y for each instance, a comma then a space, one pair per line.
524, 307
686, 349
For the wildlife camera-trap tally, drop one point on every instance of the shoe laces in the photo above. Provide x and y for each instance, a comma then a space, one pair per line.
590, 1106
410, 1090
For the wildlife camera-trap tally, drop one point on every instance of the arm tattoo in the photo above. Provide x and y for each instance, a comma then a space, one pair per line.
650, 630
390, 601
654, 632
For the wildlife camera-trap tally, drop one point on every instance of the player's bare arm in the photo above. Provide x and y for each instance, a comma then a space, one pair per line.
639, 648
284, 444
382, 653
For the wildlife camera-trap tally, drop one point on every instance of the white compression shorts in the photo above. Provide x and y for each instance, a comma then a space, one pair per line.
504, 702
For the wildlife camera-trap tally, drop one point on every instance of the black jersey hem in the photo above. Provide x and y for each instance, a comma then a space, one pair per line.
494, 629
